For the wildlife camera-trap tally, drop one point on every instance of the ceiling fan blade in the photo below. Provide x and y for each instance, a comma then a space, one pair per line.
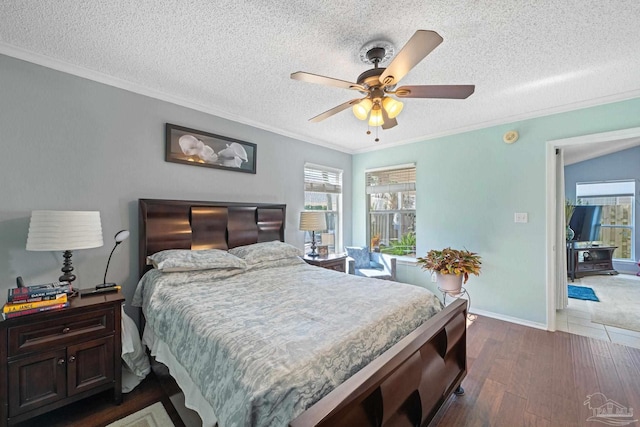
387, 123
327, 81
334, 110
419, 45
435, 91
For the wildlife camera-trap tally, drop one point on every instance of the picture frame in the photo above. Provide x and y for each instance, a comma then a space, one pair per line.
323, 251
198, 148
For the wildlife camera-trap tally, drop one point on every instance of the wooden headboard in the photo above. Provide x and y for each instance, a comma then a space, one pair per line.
182, 224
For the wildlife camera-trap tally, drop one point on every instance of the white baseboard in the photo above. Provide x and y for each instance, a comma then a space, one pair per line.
510, 319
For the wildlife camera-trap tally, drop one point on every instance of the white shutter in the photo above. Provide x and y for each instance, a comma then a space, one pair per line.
610, 188
391, 180
322, 179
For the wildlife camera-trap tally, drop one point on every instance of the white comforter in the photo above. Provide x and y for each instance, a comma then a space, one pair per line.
265, 344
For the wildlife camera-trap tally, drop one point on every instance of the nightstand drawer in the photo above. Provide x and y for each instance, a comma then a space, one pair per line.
62, 330
338, 266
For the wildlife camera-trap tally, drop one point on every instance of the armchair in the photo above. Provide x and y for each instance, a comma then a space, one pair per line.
376, 265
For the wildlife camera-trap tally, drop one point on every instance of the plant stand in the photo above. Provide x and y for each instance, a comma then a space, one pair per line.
455, 295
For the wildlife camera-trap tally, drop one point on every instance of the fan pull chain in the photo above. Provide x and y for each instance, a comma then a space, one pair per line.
369, 132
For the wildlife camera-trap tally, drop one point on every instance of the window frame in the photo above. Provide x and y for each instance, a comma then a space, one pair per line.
398, 189
332, 184
617, 189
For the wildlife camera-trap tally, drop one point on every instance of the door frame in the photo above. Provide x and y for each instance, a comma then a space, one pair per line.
551, 146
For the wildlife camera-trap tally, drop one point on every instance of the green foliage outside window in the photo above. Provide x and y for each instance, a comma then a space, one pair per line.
406, 245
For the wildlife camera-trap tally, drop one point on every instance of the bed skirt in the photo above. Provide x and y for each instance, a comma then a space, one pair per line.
192, 397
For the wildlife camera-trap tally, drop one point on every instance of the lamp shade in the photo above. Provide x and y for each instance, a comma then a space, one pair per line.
361, 109
375, 119
392, 107
64, 230
313, 221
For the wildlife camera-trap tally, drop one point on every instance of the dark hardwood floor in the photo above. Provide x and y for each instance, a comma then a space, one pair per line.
518, 376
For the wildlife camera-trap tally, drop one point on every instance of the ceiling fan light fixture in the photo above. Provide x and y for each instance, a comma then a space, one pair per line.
392, 107
361, 109
375, 119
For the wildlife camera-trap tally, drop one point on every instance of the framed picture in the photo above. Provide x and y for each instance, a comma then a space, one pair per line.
194, 147
323, 251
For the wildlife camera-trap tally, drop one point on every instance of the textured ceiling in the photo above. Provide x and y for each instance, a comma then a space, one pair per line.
234, 58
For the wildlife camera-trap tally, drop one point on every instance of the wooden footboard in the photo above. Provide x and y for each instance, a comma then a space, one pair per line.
406, 385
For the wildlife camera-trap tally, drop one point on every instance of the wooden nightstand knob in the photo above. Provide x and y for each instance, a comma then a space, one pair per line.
72, 359
66, 330
60, 361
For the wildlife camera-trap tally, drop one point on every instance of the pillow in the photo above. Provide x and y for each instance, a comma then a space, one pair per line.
187, 260
265, 251
376, 265
360, 255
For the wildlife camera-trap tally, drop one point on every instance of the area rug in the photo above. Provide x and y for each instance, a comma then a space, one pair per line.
151, 416
619, 301
582, 292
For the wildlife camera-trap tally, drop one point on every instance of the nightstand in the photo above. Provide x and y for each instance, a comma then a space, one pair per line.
335, 262
53, 358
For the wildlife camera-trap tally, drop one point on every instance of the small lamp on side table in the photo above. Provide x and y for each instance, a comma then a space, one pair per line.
313, 221
64, 231
120, 237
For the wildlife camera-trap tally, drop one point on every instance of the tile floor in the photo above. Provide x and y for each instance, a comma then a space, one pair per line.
576, 319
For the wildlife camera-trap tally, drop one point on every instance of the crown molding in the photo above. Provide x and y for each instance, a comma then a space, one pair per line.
96, 76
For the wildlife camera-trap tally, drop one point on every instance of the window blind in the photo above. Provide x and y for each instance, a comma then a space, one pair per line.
321, 179
391, 180
611, 188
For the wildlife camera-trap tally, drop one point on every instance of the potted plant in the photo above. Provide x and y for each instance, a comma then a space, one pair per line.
568, 212
452, 266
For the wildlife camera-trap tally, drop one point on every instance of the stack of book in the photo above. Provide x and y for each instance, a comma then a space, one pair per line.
36, 298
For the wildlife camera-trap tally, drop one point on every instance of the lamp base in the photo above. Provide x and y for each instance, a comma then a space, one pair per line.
313, 252
67, 269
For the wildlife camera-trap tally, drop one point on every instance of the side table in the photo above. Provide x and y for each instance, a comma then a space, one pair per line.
56, 357
332, 262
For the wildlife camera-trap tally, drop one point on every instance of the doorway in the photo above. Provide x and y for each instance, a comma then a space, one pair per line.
600, 142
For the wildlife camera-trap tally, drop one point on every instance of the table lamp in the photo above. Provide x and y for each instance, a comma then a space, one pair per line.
313, 221
64, 231
120, 237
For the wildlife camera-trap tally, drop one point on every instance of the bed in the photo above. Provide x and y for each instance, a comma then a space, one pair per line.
370, 362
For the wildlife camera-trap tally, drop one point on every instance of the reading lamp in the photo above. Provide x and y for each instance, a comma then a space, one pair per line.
313, 221
120, 237
64, 231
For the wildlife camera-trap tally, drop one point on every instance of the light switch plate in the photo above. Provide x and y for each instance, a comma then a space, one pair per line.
520, 217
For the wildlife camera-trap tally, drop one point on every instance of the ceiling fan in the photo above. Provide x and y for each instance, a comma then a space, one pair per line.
377, 84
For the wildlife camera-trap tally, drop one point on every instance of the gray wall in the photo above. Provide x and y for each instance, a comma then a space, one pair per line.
616, 166
69, 143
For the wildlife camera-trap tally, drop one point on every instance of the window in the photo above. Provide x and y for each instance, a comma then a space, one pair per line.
323, 191
617, 199
391, 203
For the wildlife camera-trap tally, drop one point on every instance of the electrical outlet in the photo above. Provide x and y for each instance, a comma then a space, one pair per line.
434, 278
